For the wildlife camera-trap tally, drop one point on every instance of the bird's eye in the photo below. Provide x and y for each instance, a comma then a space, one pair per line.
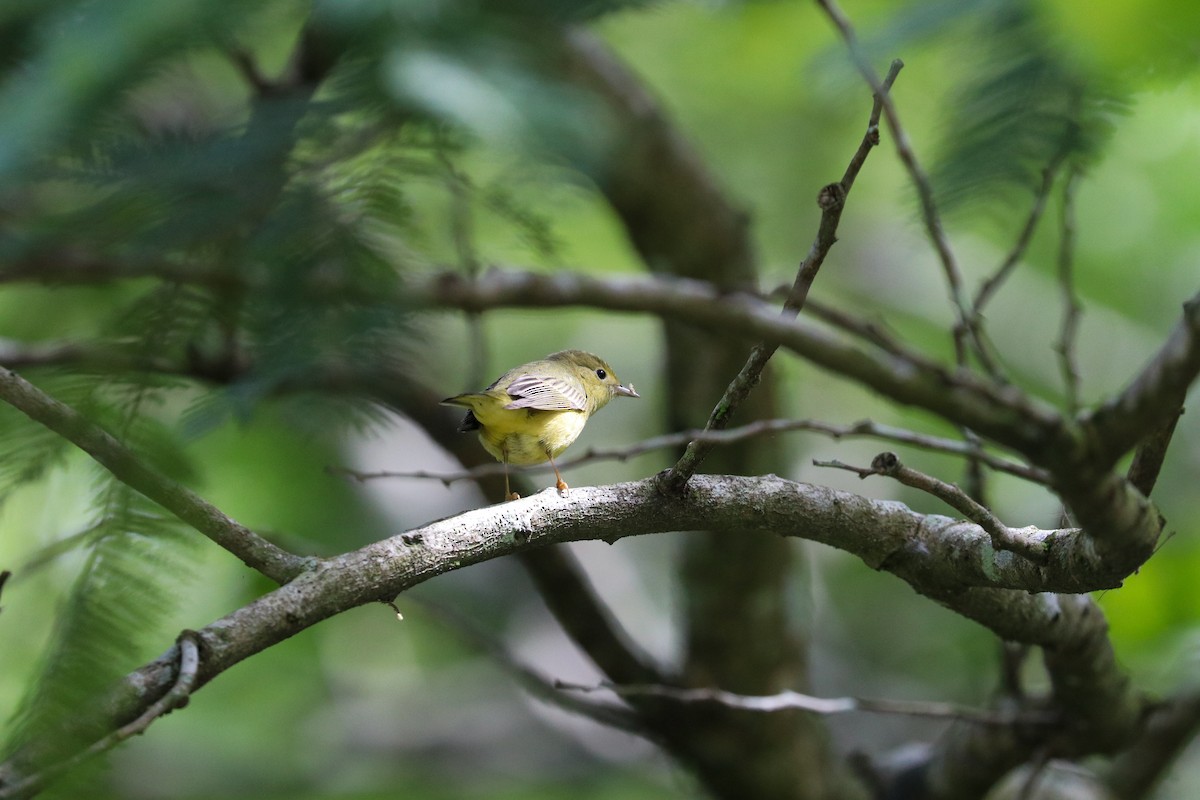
601, 374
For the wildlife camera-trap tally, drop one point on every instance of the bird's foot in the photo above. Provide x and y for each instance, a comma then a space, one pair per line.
562, 487
513, 496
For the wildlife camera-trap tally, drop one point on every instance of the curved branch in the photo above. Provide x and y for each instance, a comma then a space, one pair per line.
254, 551
1155, 394
950, 561
1004, 414
1170, 727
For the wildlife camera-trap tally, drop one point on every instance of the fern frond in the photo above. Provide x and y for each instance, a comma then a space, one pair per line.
113, 615
1022, 108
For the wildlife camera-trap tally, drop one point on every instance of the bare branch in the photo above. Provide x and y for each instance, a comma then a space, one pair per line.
254, 551
1123, 522
868, 330
990, 286
929, 212
1003, 537
950, 561
1154, 395
1099, 711
1065, 347
1002, 413
1150, 454
796, 701
861, 429
1170, 727
831, 200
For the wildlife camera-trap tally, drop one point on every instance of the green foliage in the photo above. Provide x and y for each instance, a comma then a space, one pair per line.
136, 559
1152, 42
62, 86
1018, 105
31, 450
1023, 111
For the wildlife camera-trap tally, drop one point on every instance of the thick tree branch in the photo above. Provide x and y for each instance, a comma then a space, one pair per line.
1150, 454
1170, 727
561, 583
1077, 455
950, 561
1003, 413
1153, 396
1099, 712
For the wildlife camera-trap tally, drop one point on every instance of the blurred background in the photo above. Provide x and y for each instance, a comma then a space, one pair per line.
143, 139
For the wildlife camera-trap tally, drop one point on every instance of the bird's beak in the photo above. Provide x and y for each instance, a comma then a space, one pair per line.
625, 391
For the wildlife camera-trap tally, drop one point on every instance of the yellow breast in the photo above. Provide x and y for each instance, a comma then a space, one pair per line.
526, 436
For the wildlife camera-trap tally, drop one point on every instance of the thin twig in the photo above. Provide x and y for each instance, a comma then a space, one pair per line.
1065, 346
832, 200
990, 286
875, 332
1014, 540
929, 212
933, 224
796, 701
861, 429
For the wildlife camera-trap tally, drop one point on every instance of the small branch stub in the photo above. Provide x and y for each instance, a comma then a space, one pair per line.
831, 196
1003, 537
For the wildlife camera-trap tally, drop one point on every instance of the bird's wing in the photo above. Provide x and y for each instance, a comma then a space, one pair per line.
546, 393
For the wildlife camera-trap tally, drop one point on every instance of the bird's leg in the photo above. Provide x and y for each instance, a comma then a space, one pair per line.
561, 485
508, 493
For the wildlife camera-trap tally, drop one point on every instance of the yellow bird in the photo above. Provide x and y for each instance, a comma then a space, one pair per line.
533, 412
